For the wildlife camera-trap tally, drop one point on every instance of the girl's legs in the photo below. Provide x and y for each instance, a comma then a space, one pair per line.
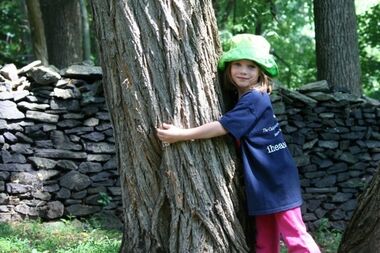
267, 234
293, 231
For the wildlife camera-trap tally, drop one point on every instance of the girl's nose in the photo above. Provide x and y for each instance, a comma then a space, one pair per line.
243, 70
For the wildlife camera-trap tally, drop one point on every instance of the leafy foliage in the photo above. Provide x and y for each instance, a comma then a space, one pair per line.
13, 33
327, 238
369, 35
288, 25
104, 199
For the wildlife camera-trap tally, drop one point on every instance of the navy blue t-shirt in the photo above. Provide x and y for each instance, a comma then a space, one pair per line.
270, 173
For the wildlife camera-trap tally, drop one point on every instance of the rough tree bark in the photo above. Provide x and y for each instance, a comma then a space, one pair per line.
159, 64
337, 48
63, 31
86, 31
362, 234
37, 31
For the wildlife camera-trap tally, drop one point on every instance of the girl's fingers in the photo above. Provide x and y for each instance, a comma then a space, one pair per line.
166, 126
160, 132
166, 133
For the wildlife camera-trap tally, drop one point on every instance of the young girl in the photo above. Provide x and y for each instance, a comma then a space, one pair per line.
270, 174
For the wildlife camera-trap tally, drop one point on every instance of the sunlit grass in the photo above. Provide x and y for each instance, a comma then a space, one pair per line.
69, 236
88, 236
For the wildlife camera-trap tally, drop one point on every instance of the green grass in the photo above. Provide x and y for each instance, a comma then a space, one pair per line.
327, 239
65, 236
88, 236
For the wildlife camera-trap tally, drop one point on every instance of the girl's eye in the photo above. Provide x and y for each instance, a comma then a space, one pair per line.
252, 66
236, 64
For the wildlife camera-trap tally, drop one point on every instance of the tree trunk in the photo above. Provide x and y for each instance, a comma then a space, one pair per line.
63, 31
86, 31
159, 64
37, 31
337, 47
362, 234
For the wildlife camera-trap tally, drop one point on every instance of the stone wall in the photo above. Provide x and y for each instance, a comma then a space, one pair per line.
56, 142
335, 140
58, 155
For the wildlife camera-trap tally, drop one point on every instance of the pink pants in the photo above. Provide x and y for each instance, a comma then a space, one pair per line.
290, 226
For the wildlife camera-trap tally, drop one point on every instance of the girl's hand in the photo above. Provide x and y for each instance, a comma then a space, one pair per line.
169, 133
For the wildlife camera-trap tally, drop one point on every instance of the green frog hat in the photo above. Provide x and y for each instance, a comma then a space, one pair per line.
250, 47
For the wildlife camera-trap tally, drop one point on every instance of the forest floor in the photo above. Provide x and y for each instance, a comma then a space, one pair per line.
92, 236
63, 236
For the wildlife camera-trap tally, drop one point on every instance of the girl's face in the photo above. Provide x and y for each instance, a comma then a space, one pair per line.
244, 74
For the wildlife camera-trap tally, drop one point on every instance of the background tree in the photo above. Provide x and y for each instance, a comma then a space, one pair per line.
159, 63
337, 47
289, 25
37, 31
363, 231
63, 31
86, 31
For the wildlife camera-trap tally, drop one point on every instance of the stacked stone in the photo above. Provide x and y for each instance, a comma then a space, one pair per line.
334, 138
56, 142
58, 152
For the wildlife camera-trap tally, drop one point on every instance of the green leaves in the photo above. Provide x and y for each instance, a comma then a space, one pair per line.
369, 35
289, 27
13, 27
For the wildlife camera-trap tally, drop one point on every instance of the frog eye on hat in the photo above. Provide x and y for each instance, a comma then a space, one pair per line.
249, 47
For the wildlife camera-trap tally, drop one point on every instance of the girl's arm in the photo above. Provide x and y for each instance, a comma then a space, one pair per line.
170, 133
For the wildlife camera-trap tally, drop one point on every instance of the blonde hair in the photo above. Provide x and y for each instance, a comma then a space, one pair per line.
264, 84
